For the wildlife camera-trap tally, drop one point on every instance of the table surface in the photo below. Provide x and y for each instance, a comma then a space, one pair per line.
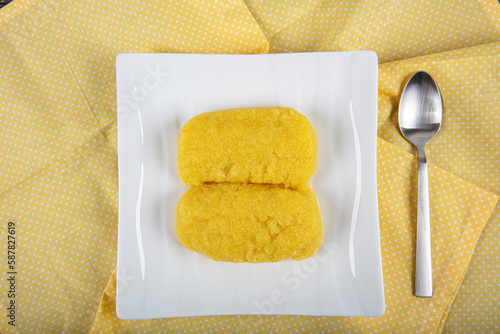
464, 156
4, 2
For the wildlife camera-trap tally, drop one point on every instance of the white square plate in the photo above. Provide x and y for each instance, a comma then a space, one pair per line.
157, 94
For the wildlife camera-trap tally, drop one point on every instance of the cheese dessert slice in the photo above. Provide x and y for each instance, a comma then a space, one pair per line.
271, 145
249, 222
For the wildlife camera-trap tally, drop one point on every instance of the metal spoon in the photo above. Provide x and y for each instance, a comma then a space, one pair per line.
420, 116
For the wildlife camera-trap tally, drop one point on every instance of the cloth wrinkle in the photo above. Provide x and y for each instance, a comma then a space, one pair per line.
101, 128
58, 160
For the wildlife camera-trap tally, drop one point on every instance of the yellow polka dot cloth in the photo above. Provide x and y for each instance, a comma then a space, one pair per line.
58, 157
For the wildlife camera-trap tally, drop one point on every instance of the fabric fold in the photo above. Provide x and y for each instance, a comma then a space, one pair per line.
455, 231
447, 289
395, 30
58, 120
58, 146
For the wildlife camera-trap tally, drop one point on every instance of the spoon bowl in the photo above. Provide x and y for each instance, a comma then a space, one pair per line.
420, 118
420, 109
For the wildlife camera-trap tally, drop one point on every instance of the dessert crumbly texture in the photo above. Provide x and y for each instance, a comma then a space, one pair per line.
271, 145
250, 200
249, 222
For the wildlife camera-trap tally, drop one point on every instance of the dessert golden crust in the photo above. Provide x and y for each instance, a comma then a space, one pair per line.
249, 222
272, 145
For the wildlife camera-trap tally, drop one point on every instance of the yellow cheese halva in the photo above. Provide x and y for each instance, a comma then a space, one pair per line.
249, 222
272, 145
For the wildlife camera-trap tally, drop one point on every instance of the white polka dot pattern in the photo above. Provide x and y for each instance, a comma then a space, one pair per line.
395, 30
454, 234
467, 146
58, 153
58, 150
5, 327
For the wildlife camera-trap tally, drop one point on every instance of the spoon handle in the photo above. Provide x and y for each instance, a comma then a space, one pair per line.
423, 276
